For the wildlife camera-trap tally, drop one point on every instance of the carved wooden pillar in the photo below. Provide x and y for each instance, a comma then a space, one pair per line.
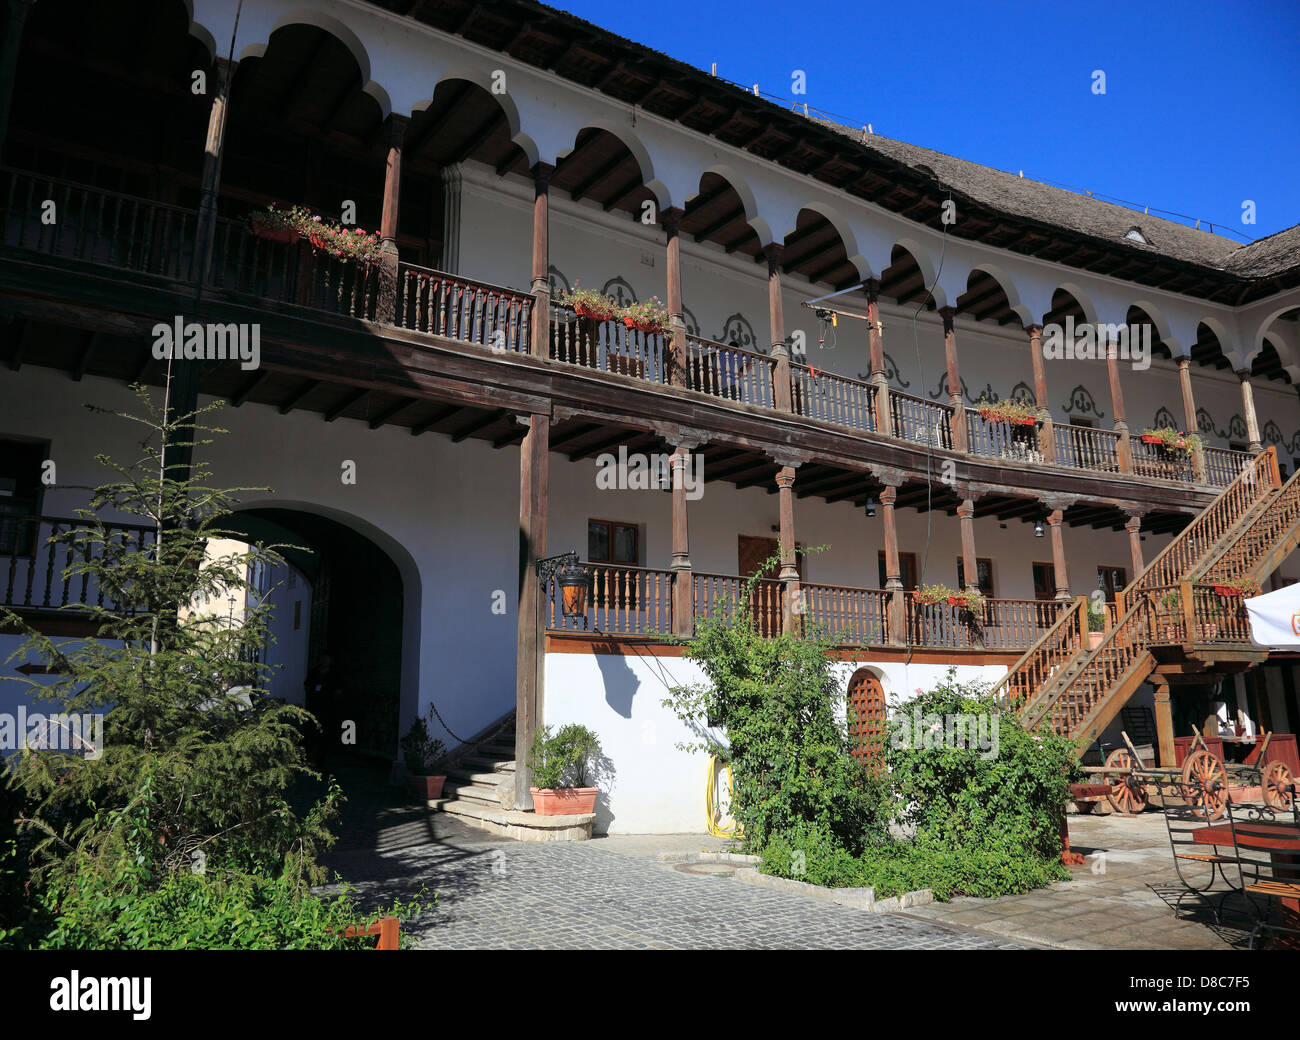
1117, 403
876, 353
789, 576
683, 582
210, 179
386, 309
671, 219
893, 571
1046, 436
1133, 525
1055, 519
531, 653
776, 315
1164, 724
1248, 410
9, 60
541, 330
959, 439
1190, 423
969, 562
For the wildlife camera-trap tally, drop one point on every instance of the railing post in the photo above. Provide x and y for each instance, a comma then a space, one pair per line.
876, 353
1055, 519
1164, 724
1133, 525
1189, 415
541, 286
531, 649
958, 419
210, 181
792, 606
386, 304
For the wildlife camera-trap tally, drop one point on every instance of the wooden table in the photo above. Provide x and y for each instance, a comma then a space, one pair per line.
1282, 842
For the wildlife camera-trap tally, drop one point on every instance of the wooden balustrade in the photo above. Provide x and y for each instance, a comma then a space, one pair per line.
78, 222
610, 346
1218, 619
1080, 447
833, 398
729, 372
1255, 544
1222, 466
37, 552
1153, 460
621, 601
999, 440
1013, 624
847, 616
1067, 635
472, 312
721, 595
920, 421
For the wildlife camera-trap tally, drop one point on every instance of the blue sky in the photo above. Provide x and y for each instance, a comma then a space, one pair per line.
1201, 110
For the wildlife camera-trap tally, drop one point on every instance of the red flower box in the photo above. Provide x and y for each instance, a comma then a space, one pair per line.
1149, 439
271, 233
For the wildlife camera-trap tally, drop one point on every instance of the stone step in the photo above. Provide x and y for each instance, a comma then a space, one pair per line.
522, 826
484, 778
498, 748
481, 795
489, 763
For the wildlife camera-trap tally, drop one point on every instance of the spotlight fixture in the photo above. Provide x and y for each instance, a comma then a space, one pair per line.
871, 507
1038, 529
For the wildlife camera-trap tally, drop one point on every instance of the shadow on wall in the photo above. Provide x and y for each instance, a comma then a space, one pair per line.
604, 776
620, 682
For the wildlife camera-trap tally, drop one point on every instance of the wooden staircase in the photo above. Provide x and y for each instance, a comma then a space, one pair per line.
1167, 618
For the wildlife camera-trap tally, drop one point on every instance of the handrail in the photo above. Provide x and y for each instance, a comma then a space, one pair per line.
1042, 660
1243, 554
833, 398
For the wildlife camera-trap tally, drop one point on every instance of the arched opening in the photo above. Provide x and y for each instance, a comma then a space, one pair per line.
904, 279
816, 250
1208, 350
1065, 305
717, 214
338, 624
985, 299
1268, 365
1138, 318
600, 167
867, 712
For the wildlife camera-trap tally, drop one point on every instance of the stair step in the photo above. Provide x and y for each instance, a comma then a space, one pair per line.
497, 749
490, 763
489, 778
488, 797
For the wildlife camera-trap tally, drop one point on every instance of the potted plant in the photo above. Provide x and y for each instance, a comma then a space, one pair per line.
1096, 626
649, 317
587, 303
1171, 441
559, 762
932, 595
1011, 412
421, 754
275, 225
1171, 606
1246, 587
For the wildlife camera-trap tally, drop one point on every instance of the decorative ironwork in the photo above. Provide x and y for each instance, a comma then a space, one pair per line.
1164, 419
620, 291
737, 332
893, 374
1081, 402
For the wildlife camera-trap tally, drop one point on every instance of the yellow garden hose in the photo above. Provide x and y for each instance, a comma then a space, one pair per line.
711, 800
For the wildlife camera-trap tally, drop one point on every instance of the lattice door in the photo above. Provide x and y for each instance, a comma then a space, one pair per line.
867, 718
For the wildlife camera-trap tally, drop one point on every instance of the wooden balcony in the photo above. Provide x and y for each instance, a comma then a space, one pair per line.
114, 234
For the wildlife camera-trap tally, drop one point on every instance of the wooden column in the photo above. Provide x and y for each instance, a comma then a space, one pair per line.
1248, 410
210, 178
789, 576
386, 308
1133, 525
683, 582
1054, 521
531, 652
1190, 423
1046, 437
969, 562
776, 316
541, 330
18, 10
959, 439
1117, 403
671, 219
1164, 724
876, 354
893, 571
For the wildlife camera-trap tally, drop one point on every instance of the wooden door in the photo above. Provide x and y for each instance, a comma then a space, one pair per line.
752, 552
867, 711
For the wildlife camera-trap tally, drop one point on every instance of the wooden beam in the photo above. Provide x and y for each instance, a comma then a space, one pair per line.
346, 403
14, 337
620, 194
390, 411
89, 342
307, 387
477, 425
434, 419
249, 386
591, 181
718, 225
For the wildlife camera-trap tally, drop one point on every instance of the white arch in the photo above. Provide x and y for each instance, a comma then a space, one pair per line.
1008, 287
1157, 315
922, 257
199, 31
407, 569
842, 228
480, 77
740, 185
634, 144
1083, 298
340, 31
1226, 343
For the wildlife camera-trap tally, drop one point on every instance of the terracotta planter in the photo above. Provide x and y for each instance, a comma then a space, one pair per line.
427, 787
564, 801
1094, 639
275, 234
1148, 439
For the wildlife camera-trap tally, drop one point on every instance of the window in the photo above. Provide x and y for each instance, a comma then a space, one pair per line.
1044, 581
1134, 235
984, 570
906, 569
20, 494
611, 542
1111, 580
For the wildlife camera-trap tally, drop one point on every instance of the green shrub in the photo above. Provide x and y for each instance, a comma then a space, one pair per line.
562, 758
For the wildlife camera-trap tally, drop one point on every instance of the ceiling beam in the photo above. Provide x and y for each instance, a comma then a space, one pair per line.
242, 394
397, 406
307, 386
478, 424
346, 403
433, 420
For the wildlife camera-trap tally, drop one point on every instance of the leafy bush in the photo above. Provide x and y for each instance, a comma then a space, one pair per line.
420, 751
779, 700
561, 759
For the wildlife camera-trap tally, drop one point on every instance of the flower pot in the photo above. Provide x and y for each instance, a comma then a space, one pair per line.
1094, 639
1226, 590
630, 323
564, 801
1148, 439
271, 233
427, 787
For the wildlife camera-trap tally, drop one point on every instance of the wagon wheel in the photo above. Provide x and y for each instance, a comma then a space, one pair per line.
1126, 794
1277, 782
1205, 784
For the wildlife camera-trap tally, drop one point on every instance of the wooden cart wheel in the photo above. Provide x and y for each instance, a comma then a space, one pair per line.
1126, 794
1277, 782
1205, 784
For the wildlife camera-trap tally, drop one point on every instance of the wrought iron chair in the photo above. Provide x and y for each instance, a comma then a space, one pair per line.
1182, 822
1270, 838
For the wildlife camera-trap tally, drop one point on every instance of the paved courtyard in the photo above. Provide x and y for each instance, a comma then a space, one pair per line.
617, 893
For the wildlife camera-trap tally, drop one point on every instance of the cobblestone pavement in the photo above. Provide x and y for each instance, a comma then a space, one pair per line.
494, 893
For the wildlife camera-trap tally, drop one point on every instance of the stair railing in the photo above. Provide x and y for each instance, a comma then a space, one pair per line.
1246, 553
1045, 658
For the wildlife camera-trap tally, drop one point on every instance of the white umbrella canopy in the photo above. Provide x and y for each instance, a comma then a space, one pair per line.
1275, 618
